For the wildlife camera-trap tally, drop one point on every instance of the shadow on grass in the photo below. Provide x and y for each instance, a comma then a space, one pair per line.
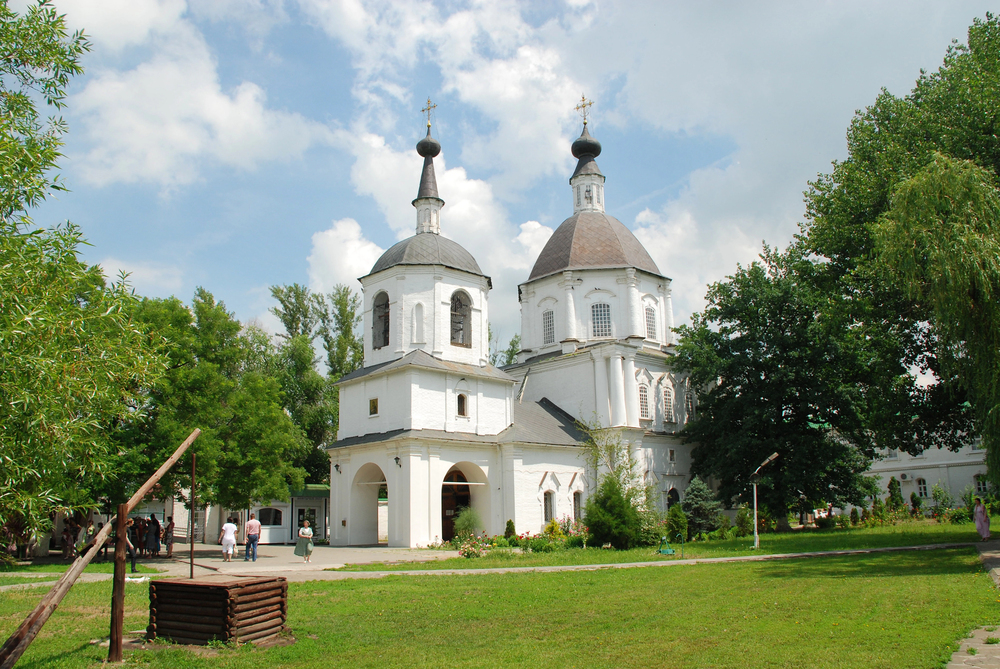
881, 565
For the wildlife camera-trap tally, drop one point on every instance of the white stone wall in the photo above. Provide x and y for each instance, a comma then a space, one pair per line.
428, 290
953, 470
585, 288
421, 399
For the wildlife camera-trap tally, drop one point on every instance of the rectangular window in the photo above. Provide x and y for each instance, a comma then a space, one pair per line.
548, 327
373, 406
577, 505
977, 445
643, 402
689, 402
671, 455
650, 323
600, 317
893, 454
980, 484
550, 505
922, 487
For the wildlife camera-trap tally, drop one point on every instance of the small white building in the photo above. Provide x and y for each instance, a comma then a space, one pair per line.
952, 470
433, 426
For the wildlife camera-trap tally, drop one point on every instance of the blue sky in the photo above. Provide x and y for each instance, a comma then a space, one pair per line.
237, 144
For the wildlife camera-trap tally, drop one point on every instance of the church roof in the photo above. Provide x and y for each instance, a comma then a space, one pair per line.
591, 240
425, 360
540, 422
428, 248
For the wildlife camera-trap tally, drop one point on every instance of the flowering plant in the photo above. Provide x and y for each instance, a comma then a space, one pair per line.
472, 547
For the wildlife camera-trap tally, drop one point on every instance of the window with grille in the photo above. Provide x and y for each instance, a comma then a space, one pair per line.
461, 320
922, 487
650, 323
463, 405
600, 317
373, 406
689, 402
380, 321
980, 484
643, 402
668, 405
548, 327
550, 505
671, 455
578, 505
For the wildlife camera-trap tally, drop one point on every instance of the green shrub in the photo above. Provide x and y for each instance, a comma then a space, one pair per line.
855, 519
509, 530
744, 521
500, 542
895, 501
610, 518
540, 545
554, 530
878, 510
843, 521
701, 507
677, 524
942, 498
915, 503
575, 541
467, 522
825, 523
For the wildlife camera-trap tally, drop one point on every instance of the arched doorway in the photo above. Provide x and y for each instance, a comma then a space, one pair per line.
363, 524
673, 497
454, 496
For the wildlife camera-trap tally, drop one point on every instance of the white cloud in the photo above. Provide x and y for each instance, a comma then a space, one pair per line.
117, 24
159, 121
340, 254
147, 278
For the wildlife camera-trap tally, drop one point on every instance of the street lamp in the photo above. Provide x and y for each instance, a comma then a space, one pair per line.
754, 478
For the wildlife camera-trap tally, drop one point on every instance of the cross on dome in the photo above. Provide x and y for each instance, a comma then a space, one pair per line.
583, 107
430, 107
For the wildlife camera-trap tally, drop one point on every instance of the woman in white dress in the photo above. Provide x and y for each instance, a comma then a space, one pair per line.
304, 546
228, 539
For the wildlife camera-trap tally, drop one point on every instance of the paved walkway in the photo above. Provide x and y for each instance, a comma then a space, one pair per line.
982, 647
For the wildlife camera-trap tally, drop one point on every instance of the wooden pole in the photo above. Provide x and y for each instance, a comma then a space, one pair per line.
192, 517
22, 637
118, 586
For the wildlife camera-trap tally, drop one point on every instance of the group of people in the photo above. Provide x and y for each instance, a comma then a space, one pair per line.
229, 537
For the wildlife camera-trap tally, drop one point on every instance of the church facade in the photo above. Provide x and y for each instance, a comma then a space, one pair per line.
430, 426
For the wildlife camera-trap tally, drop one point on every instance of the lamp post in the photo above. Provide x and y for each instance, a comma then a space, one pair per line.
754, 478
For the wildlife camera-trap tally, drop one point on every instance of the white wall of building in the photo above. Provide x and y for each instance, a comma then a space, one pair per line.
952, 470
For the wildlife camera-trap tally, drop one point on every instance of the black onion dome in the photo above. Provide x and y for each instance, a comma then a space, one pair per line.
592, 240
585, 145
428, 248
429, 147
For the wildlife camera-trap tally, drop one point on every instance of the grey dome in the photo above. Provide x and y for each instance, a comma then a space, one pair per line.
592, 240
428, 248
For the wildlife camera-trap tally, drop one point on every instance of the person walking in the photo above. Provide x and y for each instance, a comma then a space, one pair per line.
304, 546
168, 536
252, 530
982, 519
129, 546
227, 537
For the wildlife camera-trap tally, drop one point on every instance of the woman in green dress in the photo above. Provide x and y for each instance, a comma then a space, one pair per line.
304, 546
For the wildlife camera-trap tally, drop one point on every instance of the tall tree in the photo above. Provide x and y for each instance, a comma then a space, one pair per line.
297, 310
339, 317
309, 399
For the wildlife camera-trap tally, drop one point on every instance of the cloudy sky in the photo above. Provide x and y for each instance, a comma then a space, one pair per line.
237, 144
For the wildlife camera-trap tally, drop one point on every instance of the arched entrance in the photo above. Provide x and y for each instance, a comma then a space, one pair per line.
363, 524
673, 497
464, 485
454, 496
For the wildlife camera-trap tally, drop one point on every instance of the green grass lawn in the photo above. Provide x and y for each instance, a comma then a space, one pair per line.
6, 579
882, 610
910, 533
92, 568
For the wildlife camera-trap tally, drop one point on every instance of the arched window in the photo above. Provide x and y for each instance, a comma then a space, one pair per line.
650, 323
922, 487
269, 516
548, 327
417, 327
668, 404
600, 318
578, 505
673, 497
550, 505
689, 402
461, 319
643, 402
463, 405
380, 321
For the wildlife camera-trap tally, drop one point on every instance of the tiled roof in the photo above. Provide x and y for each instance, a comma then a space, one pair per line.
428, 248
425, 360
592, 240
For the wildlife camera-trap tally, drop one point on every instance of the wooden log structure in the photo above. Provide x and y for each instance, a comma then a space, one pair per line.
217, 608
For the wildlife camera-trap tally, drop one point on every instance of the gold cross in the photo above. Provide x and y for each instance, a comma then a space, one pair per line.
427, 110
583, 107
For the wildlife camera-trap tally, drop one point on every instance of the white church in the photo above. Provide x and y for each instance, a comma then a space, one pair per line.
433, 426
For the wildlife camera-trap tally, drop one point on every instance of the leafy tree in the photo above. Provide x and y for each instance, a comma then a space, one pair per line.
297, 310
309, 399
744, 521
339, 317
610, 517
777, 377
506, 356
700, 507
677, 524
895, 501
